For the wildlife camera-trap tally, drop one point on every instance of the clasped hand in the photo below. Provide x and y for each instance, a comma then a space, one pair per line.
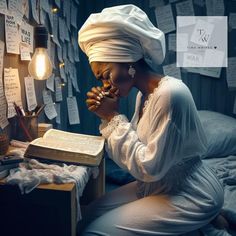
104, 104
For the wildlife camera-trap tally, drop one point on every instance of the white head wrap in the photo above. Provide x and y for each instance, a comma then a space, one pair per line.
122, 34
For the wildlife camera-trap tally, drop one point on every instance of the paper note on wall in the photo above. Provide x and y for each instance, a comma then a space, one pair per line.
50, 82
69, 85
165, 19
3, 103
232, 20
58, 87
15, 9
185, 8
3, 7
12, 35
24, 52
156, 3
210, 71
2, 46
47, 96
27, 35
73, 112
30, 93
172, 70
50, 111
172, 42
12, 90
231, 72
215, 7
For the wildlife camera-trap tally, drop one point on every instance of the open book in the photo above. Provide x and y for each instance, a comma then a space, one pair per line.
61, 146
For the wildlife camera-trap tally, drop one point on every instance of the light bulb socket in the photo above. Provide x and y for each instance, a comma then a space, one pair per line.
41, 36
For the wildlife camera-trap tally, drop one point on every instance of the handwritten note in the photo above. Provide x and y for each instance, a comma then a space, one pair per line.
165, 19
69, 85
12, 90
12, 35
215, 7
27, 35
3, 108
24, 52
47, 96
55, 30
50, 82
232, 20
50, 111
2, 46
58, 87
211, 71
172, 42
30, 93
15, 9
156, 3
172, 70
3, 7
231, 72
73, 112
73, 15
185, 8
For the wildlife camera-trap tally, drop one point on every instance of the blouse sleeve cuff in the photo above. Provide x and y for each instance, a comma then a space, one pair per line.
106, 128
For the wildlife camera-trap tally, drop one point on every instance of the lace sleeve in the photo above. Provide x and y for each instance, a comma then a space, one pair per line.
106, 128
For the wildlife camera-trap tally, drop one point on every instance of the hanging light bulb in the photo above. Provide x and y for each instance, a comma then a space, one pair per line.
40, 66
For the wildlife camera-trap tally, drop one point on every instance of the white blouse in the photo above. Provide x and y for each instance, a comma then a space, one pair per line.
169, 133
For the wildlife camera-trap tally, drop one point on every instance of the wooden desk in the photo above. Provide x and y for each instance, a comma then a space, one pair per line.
49, 210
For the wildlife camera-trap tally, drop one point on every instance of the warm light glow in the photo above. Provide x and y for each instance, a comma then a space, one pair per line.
40, 67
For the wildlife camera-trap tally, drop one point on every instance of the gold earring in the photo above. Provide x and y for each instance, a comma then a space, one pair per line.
131, 71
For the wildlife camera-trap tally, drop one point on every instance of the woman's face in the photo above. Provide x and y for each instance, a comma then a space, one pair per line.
113, 75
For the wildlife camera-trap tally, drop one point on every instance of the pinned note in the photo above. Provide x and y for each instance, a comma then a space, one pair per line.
27, 35
211, 71
25, 52
185, 8
55, 30
15, 9
3, 108
3, 7
73, 112
215, 7
172, 70
12, 35
50, 82
231, 72
69, 85
2, 46
58, 86
232, 20
165, 19
74, 13
47, 96
12, 90
172, 42
50, 111
30, 93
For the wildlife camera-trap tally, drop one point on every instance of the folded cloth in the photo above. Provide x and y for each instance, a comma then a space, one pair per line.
32, 173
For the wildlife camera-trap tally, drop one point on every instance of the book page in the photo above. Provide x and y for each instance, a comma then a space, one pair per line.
78, 143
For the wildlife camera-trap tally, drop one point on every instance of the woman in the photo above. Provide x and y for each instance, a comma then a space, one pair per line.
161, 146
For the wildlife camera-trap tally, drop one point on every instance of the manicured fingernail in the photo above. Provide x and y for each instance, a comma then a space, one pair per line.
106, 93
101, 95
97, 102
99, 98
